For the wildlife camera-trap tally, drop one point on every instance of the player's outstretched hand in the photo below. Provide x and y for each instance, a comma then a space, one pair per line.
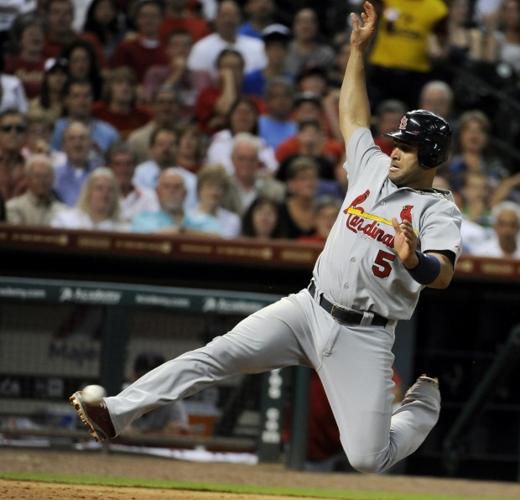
405, 243
363, 29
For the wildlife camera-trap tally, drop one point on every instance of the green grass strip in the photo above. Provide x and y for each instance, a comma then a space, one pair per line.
224, 488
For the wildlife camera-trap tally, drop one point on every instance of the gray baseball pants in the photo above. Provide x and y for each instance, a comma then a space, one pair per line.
354, 364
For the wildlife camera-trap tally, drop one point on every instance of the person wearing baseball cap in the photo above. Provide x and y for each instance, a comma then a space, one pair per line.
260, 15
276, 39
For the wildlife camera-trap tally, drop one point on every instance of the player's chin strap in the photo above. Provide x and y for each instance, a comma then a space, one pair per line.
427, 270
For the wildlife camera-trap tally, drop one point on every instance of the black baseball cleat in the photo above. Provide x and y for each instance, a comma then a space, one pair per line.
95, 416
422, 385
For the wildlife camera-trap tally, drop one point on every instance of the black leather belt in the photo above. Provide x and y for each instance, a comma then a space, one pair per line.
342, 315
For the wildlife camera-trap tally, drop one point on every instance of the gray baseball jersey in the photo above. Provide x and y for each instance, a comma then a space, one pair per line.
358, 267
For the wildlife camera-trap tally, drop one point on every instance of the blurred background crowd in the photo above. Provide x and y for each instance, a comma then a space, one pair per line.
221, 118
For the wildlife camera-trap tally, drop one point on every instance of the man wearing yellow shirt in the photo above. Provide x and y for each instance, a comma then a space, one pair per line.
400, 62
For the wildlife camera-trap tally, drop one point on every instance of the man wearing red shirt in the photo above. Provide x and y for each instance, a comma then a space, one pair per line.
145, 50
311, 141
180, 17
118, 108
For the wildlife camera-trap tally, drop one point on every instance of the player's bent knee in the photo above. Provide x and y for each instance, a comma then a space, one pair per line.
366, 463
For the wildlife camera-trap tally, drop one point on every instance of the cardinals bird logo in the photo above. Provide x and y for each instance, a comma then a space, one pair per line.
358, 200
406, 213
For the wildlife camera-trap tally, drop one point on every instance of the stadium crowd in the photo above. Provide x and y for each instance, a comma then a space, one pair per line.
221, 118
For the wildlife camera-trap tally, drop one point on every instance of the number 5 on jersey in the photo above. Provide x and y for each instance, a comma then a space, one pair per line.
382, 266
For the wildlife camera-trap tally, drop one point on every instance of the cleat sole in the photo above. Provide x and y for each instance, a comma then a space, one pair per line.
76, 404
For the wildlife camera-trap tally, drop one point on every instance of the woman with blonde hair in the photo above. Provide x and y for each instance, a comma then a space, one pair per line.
97, 206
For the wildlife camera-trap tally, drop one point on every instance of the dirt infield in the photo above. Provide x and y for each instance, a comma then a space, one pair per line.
21, 490
163, 469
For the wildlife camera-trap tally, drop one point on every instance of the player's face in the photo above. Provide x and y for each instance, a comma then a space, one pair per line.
404, 166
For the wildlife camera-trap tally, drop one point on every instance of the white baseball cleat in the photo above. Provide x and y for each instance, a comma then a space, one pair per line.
422, 387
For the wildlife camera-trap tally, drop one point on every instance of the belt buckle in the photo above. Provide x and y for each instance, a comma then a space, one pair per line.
343, 317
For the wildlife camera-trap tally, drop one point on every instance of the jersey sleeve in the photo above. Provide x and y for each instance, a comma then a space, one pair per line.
440, 230
362, 154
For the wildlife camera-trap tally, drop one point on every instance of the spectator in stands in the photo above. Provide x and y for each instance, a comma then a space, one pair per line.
209, 215
475, 194
388, 117
473, 154
464, 41
83, 65
401, 51
166, 115
163, 155
276, 39
297, 213
170, 216
314, 82
275, 126
260, 15
179, 17
473, 202
13, 135
50, 100
58, 22
26, 60
508, 36
144, 50
505, 240
70, 176
134, 199
214, 102
243, 117
191, 147
187, 84
12, 93
326, 212
119, 106
306, 50
38, 205
508, 189
336, 71
261, 219
312, 79
436, 96
205, 52
248, 181
39, 130
97, 206
102, 26
308, 107
171, 419
311, 141
78, 105
12, 10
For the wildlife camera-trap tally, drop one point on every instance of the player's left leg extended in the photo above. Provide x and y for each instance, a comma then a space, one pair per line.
357, 377
273, 337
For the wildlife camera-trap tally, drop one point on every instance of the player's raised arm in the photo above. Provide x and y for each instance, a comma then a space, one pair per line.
354, 108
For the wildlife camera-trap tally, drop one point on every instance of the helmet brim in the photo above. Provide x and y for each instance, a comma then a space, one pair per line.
403, 136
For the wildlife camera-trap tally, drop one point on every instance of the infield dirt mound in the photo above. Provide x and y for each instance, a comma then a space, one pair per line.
138, 467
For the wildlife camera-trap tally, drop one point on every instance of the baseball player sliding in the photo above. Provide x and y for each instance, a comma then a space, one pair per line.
394, 236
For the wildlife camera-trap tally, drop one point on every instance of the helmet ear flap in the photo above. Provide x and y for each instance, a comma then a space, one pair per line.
430, 155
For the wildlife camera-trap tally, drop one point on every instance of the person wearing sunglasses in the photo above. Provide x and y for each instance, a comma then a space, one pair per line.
13, 135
